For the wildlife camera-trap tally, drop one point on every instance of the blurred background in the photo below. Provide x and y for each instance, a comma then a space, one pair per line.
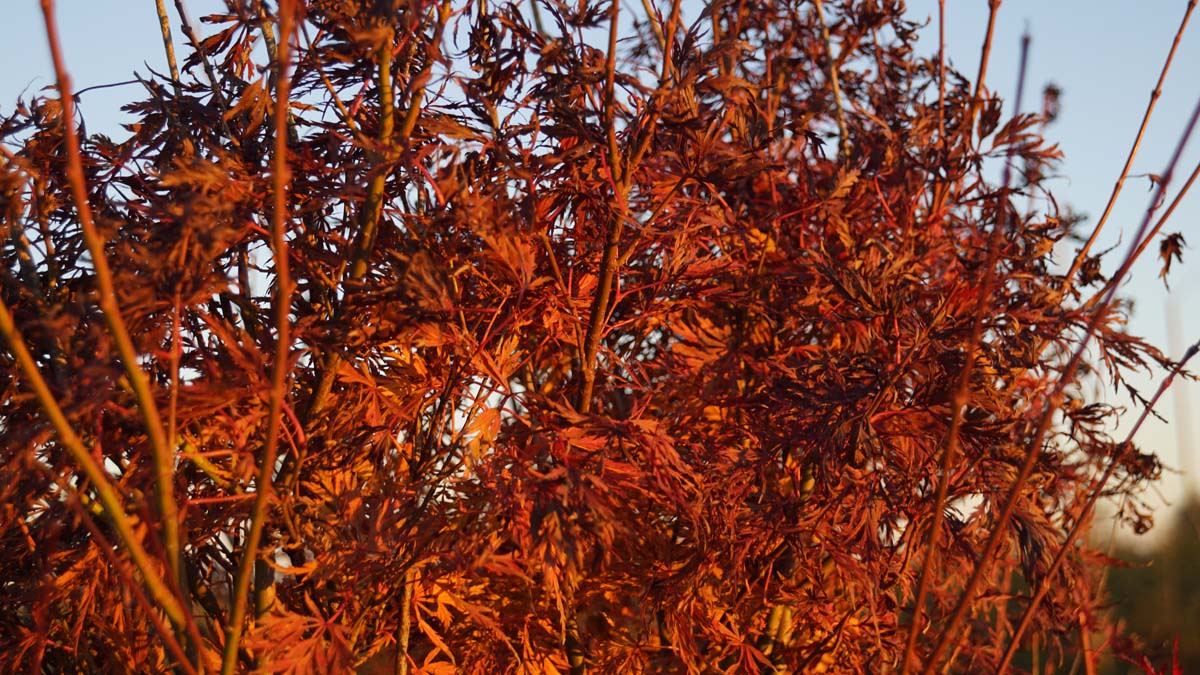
1104, 56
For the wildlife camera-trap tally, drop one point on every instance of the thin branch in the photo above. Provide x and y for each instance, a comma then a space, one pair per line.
75, 502
373, 208
163, 455
260, 10
1089, 660
610, 79
164, 25
653, 18
343, 112
173, 367
111, 503
962, 387
1133, 150
416, 85
609, 259
942, 74
968, 128
405, 628
281, 174
372, 211
834, 83
213, 82
1144, 242
110, 85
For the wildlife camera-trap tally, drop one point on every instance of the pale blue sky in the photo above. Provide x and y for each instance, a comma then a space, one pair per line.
1105, 55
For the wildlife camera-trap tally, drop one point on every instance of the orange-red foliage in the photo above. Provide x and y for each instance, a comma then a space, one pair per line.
630, 348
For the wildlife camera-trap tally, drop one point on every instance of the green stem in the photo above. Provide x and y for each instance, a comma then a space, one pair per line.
164, 24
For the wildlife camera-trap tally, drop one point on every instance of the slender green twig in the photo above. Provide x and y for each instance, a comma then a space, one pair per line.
163, 455
280, 178
176, 351
76, 502
652, 18
370, 213
164, 24
610, 80
388, 138
620, 171
260, 10
834, 83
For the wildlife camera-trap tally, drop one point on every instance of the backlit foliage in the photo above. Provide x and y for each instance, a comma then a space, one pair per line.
617, 338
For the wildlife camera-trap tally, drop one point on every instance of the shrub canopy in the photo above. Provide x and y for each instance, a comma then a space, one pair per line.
530, 338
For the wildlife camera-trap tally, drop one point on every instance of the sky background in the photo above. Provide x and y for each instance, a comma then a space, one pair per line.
1105, 56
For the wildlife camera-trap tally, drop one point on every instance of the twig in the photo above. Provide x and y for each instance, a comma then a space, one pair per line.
75, 502
416, 85
1089, 661
653, 18
609, 262
280, 179
371, 211
610, 78
110, 85
163, 456
573, 645
213, 82
264, 19
1145, 241
942, 74
373, 208
164, 24
405, 627
1137, 141
343, 112
834, 83
176, 351
962, 387
985, 54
